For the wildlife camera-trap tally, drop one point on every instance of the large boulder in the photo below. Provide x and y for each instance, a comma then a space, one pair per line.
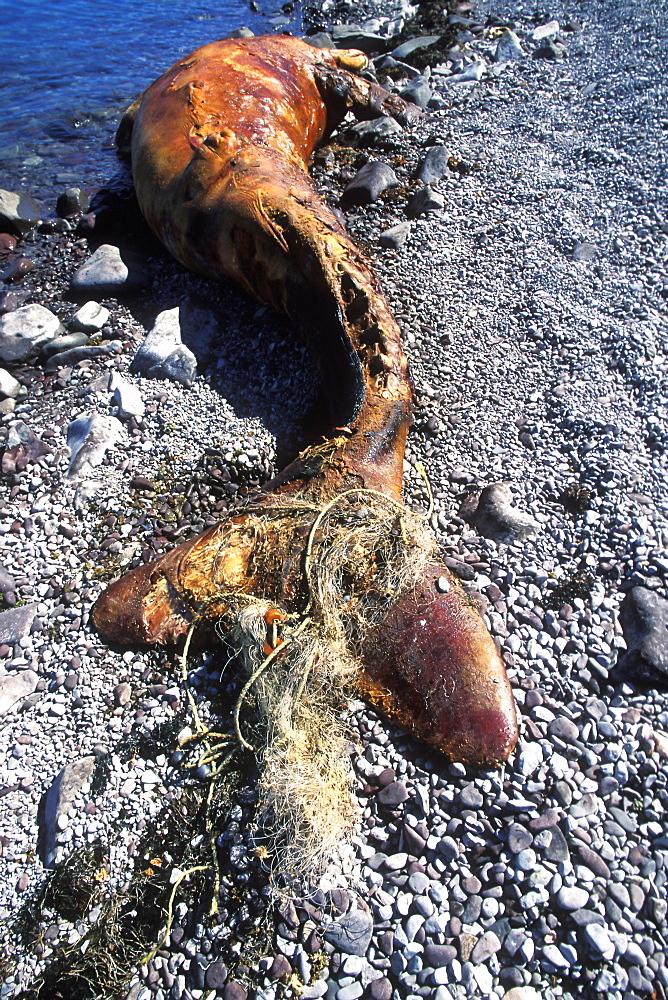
18, 212
24, 332
109, 272
163, 353
644, 619
88, 438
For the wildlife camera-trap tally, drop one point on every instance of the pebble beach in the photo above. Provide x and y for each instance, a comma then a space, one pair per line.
520, 233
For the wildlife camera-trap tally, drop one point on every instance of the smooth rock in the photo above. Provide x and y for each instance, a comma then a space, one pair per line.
215, 976
16, 623
24, 332
351, 932
57, 803
107, 272
492, 513
643, 616
88, 438
508, 47
417, 92
369, 183
599, 940
522, 993
563, 729
90, 318
547, 30
519, 839
71, 201
163, 353
434, 166
71, 357
352, 36
485, 947
22, 448
557, 849
371, 133
572, 898
127, 397
395, 237
551, 50
381, 989
9, 386
65, 342
18, 212
585, 251
437, 956
393, 794
17, 686
404, 50
470, 74
423, 201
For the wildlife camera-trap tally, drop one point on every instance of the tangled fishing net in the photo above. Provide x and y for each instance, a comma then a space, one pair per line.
357, 553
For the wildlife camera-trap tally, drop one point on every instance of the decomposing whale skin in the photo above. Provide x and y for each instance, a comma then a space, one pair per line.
219, 146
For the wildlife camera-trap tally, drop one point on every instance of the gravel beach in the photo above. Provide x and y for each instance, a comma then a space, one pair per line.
522, 244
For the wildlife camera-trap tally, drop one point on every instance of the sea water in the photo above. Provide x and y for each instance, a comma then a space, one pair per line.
70, 67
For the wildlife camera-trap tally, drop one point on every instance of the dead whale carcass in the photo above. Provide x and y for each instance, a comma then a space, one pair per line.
220, 145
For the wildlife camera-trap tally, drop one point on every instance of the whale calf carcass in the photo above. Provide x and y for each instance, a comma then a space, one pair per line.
219, 147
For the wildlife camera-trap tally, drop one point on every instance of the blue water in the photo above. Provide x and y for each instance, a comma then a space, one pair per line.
69, 68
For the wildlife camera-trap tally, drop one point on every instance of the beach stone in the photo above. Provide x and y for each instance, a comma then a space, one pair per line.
470, 74
417, 92
71, 201
395, 237
404, 50
418, 883
369, 183
24, 331
7, 583
18, 212
557, 849
371, 133
57, 802
90, 318
127, 397
551, 50
88, 438
522, 993
423, 201
16, 623
508, 47
122, 694
65, 342
543, 31
393, 794
485, 947
280, 968
107, 272
563, 729
215, 976
599, 940
572, 898
471, 797
585, 251
381, 989
71, 357
11, 299
234, 991
351, 932
9, 386
434, 166
163, 354
352, 36
530, 759
492, 513
17, 686
437, 956
643, 616
22, 447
